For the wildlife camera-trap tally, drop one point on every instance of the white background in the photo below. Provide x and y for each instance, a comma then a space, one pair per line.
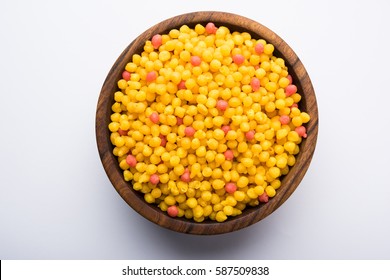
56, 201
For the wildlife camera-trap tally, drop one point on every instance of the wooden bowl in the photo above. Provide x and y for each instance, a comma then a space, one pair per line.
249, 215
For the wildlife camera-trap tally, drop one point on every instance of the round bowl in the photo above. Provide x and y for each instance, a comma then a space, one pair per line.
250, 215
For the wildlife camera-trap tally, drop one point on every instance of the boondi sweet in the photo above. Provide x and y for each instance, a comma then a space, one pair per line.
206, 122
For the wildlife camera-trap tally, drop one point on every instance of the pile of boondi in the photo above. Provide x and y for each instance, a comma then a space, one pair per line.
205, 122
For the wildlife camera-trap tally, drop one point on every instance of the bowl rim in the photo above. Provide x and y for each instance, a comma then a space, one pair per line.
251, 215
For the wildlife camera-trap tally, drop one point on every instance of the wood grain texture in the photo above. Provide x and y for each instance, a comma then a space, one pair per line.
250, 215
